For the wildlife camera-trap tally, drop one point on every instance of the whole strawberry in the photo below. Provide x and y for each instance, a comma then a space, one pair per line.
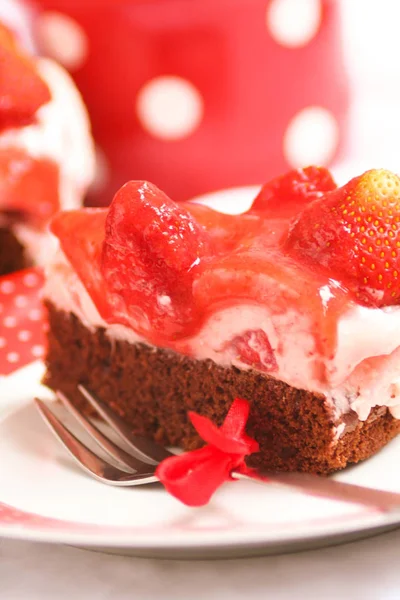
353, 233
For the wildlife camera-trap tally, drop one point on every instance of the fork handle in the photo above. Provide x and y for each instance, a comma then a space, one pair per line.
327, 488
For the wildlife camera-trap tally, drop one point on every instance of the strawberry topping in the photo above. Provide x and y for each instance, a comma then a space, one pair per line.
228, 232
22, 91
353, 234
151, 252
81, 233
28, 185
164, 269
288, 194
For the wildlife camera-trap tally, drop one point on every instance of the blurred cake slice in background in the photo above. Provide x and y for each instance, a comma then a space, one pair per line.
46, 151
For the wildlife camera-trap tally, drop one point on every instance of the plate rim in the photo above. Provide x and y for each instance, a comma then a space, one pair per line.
37, 527
75, 532
129, 539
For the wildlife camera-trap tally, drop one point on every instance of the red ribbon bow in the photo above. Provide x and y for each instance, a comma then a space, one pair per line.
193, 477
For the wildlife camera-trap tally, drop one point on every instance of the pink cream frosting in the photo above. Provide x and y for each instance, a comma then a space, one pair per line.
363, 372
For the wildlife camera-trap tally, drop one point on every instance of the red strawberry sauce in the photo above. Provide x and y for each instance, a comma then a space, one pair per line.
164, 269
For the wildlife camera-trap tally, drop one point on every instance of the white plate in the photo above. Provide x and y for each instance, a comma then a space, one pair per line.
45, 497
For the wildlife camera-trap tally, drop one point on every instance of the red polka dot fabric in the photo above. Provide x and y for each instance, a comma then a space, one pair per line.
22, 320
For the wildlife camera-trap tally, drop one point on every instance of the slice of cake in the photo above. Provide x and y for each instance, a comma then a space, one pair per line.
46, 151
161, 308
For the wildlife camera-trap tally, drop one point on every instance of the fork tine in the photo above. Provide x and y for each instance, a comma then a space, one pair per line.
112, 449
88, 460
143, 448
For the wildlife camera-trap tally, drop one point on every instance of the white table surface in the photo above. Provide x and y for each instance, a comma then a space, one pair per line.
366, 570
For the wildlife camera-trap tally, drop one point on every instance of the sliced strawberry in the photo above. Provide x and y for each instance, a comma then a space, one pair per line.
81, 234
151, 252
287, 195
353, 233
28, 185
22, 91
253, 348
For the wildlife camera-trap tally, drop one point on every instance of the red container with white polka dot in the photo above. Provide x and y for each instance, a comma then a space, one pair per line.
196, 95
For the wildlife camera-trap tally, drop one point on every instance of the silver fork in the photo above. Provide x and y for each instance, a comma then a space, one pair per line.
137, 467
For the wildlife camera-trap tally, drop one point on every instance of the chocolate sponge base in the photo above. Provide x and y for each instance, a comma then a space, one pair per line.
12, 257
153, 389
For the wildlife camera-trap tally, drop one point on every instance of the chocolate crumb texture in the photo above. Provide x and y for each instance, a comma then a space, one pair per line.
153, 390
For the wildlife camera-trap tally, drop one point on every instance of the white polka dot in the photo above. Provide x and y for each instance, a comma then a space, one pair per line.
37, 351
12, 357
24, 335
9, 322
169, 107
20, 301
294, 23
31, 280
35, 314
7, 287
63, 39
102, 171
3, 342
311, 137
45, 327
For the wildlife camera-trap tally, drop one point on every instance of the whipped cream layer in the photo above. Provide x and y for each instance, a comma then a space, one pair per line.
363, 372
62, 134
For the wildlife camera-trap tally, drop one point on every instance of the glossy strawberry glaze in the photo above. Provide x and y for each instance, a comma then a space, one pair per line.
249, 308
169, 293
253, 267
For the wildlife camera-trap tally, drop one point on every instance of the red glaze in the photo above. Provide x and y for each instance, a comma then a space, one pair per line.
22, 91
82, 234
353, 234
164, 269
